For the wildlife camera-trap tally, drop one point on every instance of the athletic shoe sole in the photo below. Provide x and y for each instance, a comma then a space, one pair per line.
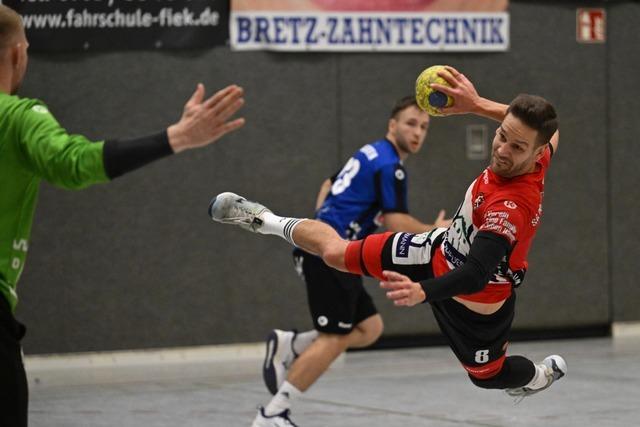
268, 369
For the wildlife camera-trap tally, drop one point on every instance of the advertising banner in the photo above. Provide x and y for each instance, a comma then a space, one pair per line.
72, 25
376, 25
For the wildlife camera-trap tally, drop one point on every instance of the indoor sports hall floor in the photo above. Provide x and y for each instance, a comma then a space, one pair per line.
413, 387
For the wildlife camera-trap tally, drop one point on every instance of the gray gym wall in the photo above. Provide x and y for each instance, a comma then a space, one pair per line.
138, 264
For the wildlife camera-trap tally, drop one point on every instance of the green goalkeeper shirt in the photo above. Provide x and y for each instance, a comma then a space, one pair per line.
33, 146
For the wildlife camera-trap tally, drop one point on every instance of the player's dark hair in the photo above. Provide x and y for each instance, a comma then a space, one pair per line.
402, 104
537, 113
10, 25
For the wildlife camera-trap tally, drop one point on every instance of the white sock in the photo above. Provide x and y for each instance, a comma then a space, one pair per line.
279, 225
540, 379
303, 340
282, 400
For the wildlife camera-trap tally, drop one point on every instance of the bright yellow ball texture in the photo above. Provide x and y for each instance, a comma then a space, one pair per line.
428, 99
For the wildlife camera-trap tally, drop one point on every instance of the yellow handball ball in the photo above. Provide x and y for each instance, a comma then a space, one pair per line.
429, 99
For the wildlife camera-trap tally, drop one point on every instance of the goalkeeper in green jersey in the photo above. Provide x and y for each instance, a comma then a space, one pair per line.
34, 147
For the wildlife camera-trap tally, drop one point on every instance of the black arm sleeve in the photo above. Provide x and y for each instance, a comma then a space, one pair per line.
122, 156
486, 252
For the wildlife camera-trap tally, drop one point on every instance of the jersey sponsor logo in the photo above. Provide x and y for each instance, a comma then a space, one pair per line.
478, 201
498, 222
17, 262
402, 247
460, 233
452, 255
499, 229
369, 151
40, 109
400, 174
407, 241
497, 215
21, 245
504, 274
501, 221
535, 221
506, 224
510, 204
518, 277
411, 249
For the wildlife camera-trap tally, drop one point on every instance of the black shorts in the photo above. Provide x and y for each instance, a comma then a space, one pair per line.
479, 341
337, 300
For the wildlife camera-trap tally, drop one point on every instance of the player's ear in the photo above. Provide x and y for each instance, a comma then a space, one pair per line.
391, 126
18, 54
539, 151
14, 53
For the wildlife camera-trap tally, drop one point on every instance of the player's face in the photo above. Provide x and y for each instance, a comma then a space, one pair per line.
409, 129
514, 150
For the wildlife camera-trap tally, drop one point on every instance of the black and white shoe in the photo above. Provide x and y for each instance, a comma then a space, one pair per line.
278, 358
279, 420
230, 208
555, 368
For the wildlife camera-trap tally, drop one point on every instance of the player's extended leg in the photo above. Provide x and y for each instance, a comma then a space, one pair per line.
480, 343
312, 236
363, 257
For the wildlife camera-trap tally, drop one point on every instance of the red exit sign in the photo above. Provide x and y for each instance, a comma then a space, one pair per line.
591, 25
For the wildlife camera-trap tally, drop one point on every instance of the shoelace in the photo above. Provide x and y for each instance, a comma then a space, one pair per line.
242, 219
246, 217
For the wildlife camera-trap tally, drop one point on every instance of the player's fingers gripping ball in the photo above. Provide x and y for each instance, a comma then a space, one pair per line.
429, 99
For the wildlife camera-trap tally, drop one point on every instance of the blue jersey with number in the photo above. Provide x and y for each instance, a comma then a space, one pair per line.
372, 182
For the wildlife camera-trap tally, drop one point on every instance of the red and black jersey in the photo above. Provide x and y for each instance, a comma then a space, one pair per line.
509, 207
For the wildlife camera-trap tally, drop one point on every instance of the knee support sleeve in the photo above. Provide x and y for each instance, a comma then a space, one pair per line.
516, 371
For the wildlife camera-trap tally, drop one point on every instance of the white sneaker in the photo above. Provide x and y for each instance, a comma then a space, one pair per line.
279, 420
278, 358
229, 208
555, 368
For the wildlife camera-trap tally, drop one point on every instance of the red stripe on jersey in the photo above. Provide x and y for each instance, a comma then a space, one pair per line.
372, 253
487, 370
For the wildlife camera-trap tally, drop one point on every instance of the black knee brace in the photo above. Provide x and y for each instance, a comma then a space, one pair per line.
516, 371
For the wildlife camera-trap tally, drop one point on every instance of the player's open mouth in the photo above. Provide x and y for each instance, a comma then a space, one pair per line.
500, 162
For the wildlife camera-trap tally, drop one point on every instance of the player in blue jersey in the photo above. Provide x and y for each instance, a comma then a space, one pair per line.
369, 191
